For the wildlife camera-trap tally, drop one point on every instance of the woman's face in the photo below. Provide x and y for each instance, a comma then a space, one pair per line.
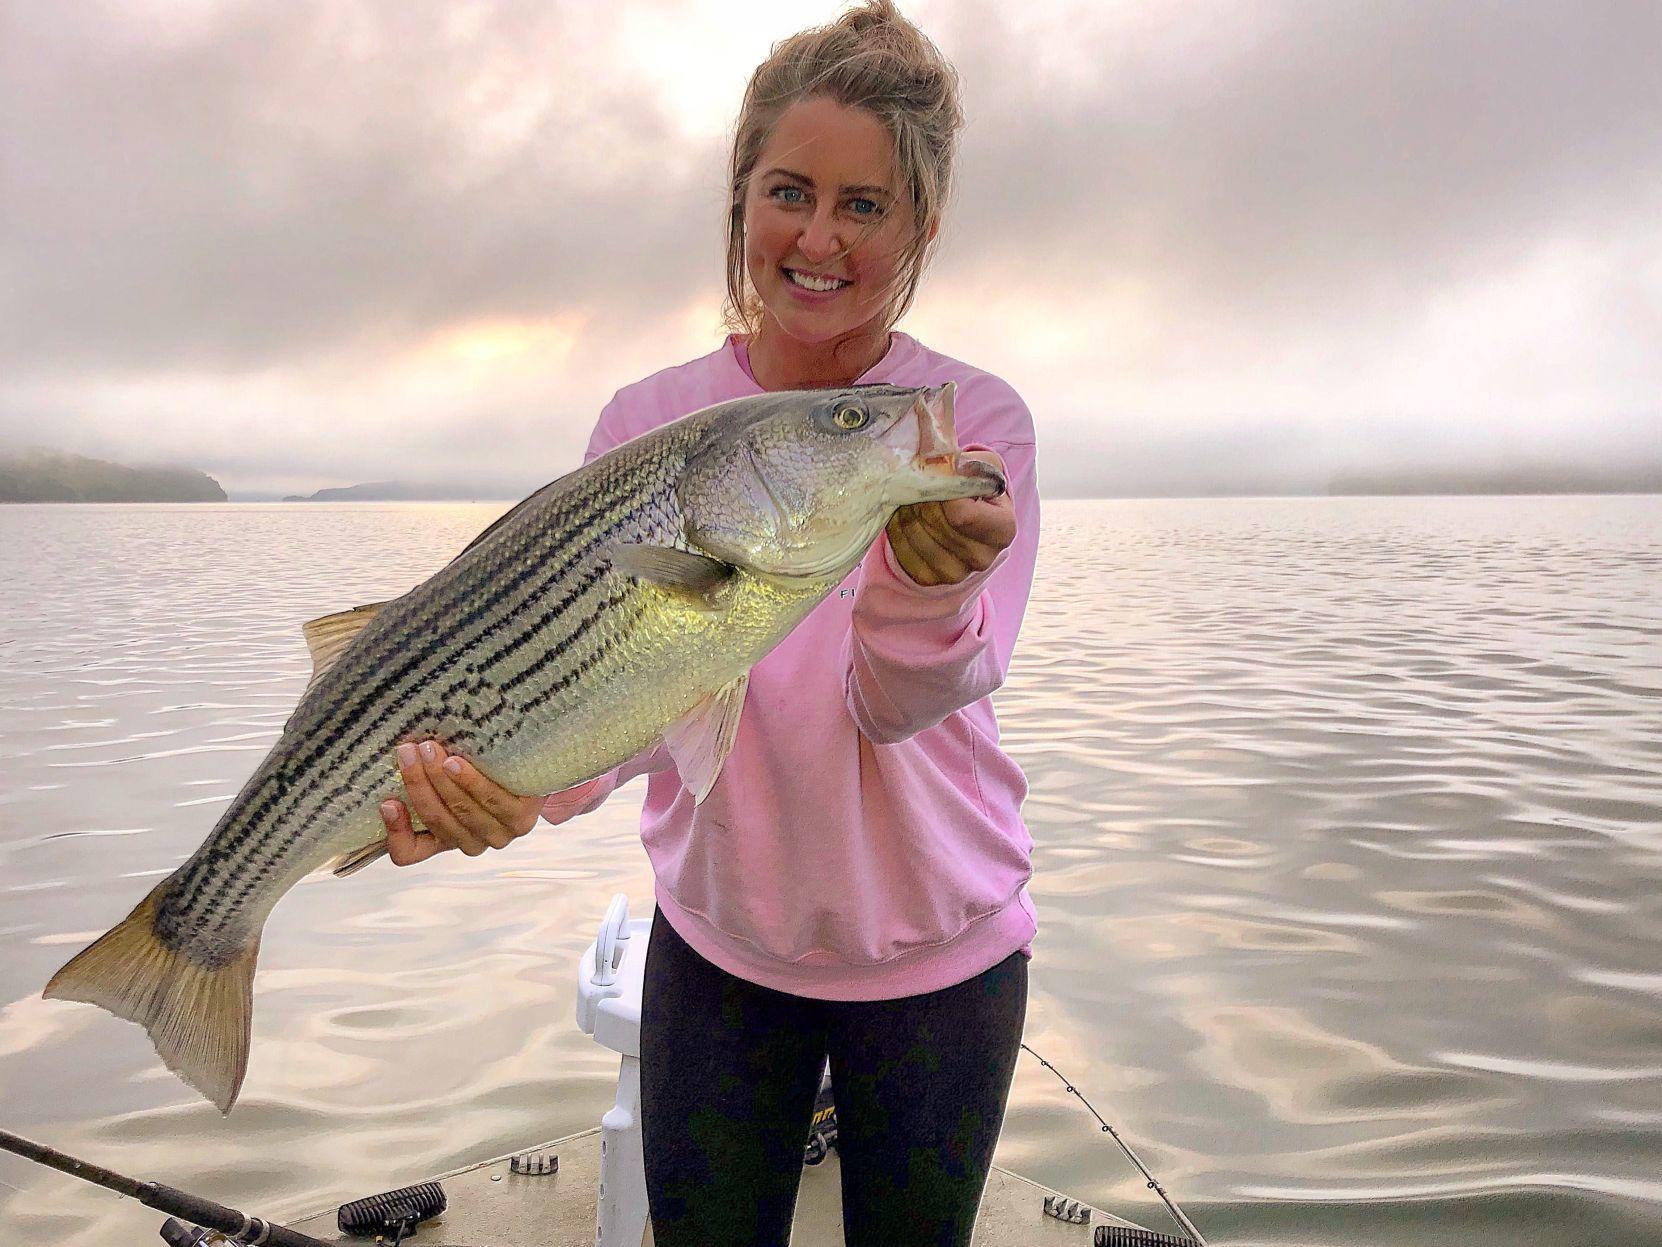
824, 182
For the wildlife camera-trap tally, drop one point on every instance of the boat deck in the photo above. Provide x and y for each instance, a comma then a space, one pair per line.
491, 1207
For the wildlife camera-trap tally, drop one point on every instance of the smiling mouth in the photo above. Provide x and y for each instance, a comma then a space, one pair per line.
811, 281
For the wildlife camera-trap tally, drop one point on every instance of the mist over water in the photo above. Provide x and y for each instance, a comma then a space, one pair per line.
1348, 848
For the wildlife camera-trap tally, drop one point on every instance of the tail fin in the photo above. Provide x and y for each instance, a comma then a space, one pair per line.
198, 1016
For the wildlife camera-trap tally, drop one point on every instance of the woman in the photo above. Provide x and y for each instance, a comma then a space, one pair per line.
854, 885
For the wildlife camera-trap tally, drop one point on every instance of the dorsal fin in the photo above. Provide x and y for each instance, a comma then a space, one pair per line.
328, 636
702, 738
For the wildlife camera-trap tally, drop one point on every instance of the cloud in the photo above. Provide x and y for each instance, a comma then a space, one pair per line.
288, 242
309, 180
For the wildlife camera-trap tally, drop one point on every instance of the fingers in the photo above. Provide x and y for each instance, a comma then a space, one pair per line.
902, 529
988, 524
421, 769
453, 812
461, 807
985, 525
932, 538
942, 523
405, 845
943, 543
510, 814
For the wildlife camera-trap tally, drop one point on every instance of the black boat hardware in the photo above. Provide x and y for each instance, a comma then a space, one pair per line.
391, 1216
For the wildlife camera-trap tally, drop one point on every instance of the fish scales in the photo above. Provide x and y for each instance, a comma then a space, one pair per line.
341, 713
436, 715
620, 605
628, 510
264, 852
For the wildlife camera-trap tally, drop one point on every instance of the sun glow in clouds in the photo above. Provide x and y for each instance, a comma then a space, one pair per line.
698, 61
537, 343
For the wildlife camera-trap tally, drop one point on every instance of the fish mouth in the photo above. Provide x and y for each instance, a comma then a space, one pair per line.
939, 470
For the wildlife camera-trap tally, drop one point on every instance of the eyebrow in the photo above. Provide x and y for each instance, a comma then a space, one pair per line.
847, 190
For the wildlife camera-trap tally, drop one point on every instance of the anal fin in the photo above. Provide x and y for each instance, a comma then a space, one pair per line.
351, 863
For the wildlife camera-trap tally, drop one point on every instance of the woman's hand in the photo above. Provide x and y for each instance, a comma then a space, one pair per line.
942, 543
461, 807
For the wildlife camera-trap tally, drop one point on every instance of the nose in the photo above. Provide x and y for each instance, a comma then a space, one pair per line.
819, 240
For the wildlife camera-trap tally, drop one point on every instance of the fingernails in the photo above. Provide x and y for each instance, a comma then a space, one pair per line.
406, 755
453, 766
429, 750
389, 812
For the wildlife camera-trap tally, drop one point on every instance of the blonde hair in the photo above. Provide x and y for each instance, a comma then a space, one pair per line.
872, 58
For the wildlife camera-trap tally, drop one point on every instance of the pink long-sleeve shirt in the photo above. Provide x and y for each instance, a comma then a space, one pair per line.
865, 839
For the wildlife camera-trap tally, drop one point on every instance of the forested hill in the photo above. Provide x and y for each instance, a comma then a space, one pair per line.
46, 476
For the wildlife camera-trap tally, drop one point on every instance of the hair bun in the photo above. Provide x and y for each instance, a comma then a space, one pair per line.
872, 15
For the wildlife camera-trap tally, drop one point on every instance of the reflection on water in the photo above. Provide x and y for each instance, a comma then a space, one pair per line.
1348, 818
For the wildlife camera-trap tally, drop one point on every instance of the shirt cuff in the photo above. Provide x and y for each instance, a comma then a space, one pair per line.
580, 798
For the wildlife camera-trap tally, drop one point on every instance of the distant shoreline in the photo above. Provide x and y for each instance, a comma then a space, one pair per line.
1172, 497
49, 476
38, 476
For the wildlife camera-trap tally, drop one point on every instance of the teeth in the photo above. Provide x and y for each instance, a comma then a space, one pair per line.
815, 283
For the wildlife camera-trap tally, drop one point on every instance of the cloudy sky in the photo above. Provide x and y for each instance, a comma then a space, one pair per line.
321, 241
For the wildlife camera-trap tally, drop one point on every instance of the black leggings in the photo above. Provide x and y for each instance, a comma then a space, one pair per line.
729, 1071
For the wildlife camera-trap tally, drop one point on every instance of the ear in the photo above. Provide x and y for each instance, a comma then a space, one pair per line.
934, 228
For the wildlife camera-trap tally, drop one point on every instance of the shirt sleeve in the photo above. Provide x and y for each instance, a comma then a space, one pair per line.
914, 654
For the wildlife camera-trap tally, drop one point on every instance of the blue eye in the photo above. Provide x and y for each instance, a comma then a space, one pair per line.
788, 194
865, 207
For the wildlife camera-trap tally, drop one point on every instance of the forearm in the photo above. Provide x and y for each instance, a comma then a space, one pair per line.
916, 653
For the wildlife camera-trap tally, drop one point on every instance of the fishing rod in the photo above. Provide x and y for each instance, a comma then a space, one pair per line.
228, 1221
398, 1211
410, 1206
1153, 1182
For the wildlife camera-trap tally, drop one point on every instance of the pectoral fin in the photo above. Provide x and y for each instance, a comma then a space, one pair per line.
696, 576
327, 637
701, 740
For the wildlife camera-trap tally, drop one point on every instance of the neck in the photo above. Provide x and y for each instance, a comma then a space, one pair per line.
780, 362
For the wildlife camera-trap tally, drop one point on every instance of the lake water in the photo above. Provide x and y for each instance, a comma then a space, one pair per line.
1348, 824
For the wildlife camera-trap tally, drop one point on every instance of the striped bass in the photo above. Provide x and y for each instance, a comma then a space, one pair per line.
620, 605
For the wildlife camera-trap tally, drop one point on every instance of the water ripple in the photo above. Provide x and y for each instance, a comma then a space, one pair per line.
1347, 821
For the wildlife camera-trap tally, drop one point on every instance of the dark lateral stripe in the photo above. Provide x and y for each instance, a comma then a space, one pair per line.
449, 646
267, 808
557, 651
343, 788
540, 626
235, 861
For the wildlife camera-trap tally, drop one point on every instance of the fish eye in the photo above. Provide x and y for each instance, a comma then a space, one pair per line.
850, 417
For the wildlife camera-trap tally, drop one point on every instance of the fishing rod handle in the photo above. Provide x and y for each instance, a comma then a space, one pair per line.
240, 1226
